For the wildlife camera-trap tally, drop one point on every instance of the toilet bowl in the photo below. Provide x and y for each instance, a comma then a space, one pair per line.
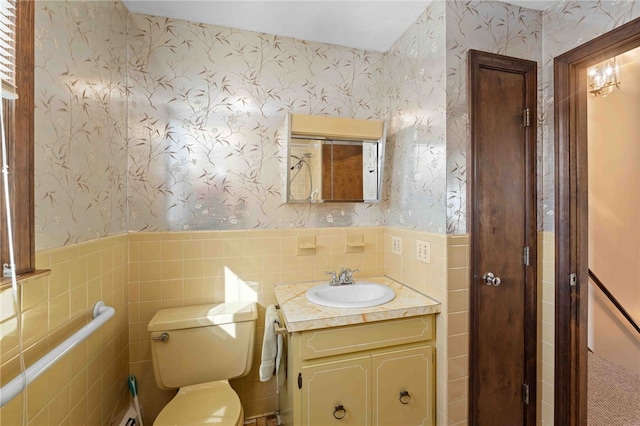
213, 403
197, 349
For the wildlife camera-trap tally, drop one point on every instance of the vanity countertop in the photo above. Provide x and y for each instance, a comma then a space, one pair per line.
300, 314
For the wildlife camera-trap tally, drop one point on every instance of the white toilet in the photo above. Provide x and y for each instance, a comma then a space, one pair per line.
198, 349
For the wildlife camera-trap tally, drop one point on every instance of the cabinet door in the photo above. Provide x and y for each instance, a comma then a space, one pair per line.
337, 393
403, 387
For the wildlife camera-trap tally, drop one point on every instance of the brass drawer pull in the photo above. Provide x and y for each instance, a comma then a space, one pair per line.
405, 398
339, 412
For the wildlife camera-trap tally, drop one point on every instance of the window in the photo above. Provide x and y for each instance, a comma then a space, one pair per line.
19, 131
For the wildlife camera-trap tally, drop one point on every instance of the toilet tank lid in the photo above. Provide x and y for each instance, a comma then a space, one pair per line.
203, 316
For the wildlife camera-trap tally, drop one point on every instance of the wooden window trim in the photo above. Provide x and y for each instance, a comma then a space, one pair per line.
19, 130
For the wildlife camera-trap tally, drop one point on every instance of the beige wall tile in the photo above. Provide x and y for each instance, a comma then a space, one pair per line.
36, 292
56, 307
458, 412
458, 256
149, 251
193, 249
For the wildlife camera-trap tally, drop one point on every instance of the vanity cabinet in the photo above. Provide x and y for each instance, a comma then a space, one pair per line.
379, 373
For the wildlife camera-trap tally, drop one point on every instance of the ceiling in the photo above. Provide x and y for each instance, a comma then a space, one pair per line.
363, 24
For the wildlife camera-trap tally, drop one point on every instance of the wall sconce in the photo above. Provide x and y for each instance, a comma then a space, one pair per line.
603, 77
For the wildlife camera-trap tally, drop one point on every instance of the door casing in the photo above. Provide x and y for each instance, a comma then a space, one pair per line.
571, 221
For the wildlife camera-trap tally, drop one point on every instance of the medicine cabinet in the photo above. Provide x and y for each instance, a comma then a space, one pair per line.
334, 159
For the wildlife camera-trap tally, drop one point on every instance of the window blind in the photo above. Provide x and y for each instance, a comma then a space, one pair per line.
7, 49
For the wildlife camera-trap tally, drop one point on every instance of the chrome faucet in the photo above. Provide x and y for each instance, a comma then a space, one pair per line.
346, 276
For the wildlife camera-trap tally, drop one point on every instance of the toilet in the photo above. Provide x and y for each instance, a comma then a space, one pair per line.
197, 349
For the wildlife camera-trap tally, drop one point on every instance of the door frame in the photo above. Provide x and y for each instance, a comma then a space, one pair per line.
477, 59
571, 221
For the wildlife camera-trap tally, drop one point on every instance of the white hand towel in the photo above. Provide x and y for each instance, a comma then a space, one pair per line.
269, 344
281, 358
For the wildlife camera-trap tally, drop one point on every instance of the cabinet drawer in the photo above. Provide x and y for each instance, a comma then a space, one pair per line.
354, 338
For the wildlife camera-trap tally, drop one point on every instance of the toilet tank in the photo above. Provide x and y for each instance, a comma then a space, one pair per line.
205, 343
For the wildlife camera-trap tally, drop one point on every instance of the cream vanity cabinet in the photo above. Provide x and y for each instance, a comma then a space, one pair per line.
378, 373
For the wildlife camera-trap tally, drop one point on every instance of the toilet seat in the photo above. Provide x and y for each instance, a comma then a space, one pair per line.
212, 403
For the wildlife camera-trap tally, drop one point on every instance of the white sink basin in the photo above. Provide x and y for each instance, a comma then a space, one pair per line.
363, 294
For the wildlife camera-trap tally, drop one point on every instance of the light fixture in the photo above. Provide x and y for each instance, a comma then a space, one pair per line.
603, 77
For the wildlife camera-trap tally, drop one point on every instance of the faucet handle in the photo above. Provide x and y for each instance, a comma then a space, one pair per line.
350, 272
334, 277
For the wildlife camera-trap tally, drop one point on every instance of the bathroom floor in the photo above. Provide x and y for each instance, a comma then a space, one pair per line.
262, 421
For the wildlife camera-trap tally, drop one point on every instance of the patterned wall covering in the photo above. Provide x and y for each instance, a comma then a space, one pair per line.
565, 26
206, 109
206, 106
80, 121
416, 78
491, 27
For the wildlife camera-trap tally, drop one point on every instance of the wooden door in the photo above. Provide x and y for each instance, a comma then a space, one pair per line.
337, 392
502, 221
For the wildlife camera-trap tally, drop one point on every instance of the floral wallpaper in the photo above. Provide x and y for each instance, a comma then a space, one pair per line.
567, 25
80, 121
147, 123
207, 107
494, 27
416, 154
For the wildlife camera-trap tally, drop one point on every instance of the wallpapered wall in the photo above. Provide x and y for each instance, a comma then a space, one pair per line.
81, 121
415, 92
491, 27
568, 25
206, 106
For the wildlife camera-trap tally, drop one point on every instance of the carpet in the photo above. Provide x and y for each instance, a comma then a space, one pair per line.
614, 394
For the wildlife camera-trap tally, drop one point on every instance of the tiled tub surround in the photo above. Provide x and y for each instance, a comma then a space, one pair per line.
300, 314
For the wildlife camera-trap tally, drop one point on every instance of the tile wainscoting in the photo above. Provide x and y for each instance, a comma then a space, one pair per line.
140, 273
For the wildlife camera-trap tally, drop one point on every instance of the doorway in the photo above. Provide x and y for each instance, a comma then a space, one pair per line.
571, 223
502, 221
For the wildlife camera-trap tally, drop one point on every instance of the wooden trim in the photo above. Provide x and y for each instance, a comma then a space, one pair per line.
571, 217
476, 60
25, 128
20, 145
24, 278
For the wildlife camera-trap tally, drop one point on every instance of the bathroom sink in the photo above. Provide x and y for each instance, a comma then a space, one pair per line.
363, 294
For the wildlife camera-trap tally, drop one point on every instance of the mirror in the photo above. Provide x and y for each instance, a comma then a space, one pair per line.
328, 162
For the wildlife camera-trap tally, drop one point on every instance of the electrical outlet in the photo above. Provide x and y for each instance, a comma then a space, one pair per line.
423, 251
396, 245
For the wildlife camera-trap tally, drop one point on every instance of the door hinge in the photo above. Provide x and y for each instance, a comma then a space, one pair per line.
525, 393
526, 256
299, 380
573, 279
526, 119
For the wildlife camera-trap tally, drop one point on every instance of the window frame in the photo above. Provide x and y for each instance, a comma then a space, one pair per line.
19, 132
